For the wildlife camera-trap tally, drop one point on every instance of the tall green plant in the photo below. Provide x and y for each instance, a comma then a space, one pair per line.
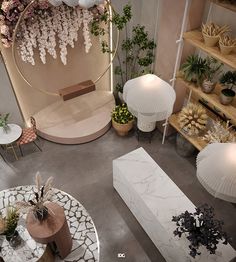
138, 56
135, 55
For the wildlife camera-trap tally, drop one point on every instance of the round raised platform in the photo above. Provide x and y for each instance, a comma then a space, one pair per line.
76, 121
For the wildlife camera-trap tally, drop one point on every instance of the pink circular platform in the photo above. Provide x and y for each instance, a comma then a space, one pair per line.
79, 120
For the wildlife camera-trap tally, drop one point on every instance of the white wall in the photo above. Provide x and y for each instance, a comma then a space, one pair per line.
8, 103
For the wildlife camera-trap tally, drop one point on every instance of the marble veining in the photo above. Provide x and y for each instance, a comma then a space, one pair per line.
84, 235
154, 198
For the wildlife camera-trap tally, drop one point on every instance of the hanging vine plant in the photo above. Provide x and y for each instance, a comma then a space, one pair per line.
46, 26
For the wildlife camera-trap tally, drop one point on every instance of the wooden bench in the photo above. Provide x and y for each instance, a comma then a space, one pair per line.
77, 90
154, 198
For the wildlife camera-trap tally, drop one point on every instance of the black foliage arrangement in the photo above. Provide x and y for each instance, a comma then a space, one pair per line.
201, 228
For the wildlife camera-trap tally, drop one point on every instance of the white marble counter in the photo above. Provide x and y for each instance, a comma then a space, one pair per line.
154, 198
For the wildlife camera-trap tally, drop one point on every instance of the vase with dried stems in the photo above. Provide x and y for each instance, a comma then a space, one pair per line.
211, 33
227, 44
42, 196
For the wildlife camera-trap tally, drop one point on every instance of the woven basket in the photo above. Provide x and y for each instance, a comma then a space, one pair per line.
225, 50
210, 40
122, 129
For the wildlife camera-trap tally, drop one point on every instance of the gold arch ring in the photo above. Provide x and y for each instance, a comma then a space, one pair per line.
110, 9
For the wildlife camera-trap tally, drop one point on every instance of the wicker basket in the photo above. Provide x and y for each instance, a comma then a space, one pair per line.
210, 40
225, 50
122, 129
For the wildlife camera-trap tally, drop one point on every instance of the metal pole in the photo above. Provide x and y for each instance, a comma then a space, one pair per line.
180, 42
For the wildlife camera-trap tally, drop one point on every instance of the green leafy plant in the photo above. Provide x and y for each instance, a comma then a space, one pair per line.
136, 53
9, 223
138, 56
4, 120
213, 68
228, 79
121, 114
195, 69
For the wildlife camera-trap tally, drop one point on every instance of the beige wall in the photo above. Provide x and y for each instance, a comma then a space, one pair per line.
8, 103
54, 75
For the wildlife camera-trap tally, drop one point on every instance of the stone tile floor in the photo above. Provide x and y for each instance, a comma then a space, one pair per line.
85, 172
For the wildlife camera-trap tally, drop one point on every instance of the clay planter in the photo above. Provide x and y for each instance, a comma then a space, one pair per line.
225, 50
208, 86
122, 129
226, 96
210, 40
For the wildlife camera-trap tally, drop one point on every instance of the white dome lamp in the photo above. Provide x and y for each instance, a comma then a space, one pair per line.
150, 99
216, 170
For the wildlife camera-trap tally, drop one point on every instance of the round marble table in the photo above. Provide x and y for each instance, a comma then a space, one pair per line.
84, 235
8, 138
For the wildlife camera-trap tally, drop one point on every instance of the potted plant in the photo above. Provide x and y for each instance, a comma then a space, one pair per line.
41, 198
8, 225
4, 123
136, 53
228, 80
200, 228
122, 120
195, 69
213, 70
211, 33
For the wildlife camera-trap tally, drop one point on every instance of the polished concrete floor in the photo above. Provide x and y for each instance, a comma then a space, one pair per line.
85, 171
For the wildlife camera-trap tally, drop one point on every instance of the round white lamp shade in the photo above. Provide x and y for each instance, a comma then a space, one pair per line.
150, 99
216, 170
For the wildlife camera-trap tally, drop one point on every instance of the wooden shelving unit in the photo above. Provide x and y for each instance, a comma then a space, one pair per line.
195, 141
195, 38
225, 4
212, 100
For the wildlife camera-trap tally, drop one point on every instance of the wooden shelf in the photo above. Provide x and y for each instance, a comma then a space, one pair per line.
225, 4
195, 39
212, 100
195, 141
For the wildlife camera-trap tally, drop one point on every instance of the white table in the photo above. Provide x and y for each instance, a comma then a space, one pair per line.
8, 138
154, 199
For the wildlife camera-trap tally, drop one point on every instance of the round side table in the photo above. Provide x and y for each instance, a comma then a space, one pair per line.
8, 138
53, 230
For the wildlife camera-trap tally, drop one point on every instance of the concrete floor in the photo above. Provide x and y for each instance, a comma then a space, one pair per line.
85, 171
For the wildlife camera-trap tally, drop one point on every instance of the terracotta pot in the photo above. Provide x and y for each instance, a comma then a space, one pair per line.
210, 40
227, 96
122, 129
208, 86
225, 50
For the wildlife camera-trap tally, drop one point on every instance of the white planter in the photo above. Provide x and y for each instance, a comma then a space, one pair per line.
145, 126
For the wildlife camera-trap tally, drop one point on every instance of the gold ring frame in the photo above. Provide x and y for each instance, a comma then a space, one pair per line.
110, 9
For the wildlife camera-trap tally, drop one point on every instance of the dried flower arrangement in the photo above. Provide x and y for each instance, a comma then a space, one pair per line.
220, 132
201, 228
42, 197
226, 40
212, 29
227, 44
211, 33
43, 24
193, 119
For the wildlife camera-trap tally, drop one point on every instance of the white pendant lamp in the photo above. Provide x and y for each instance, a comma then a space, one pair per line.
150, 99
216, 170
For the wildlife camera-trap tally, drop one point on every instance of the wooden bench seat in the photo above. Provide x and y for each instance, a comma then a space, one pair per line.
77, 90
